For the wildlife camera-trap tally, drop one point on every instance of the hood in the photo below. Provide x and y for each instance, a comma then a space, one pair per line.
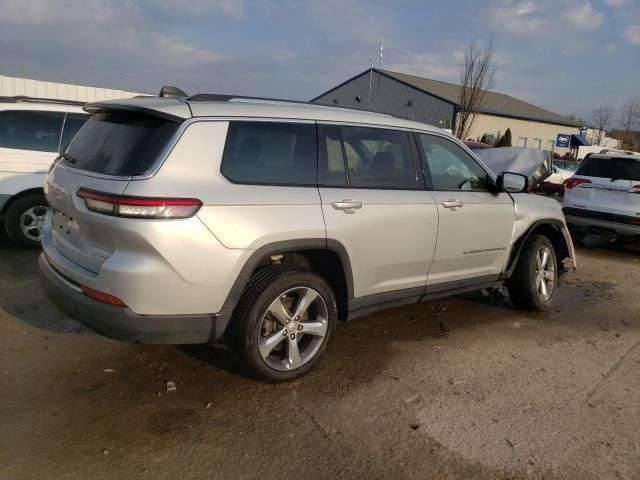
535, 164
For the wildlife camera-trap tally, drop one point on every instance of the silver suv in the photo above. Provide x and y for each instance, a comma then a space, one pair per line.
262, 223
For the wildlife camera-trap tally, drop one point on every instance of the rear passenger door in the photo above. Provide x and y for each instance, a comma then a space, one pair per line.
374, 203
475, 226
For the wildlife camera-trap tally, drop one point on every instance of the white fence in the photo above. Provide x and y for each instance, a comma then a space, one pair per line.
16, 86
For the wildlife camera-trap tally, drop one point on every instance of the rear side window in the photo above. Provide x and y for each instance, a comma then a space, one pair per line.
72, 124
271, 153
363, 157
119, 143
618, 168
31, 130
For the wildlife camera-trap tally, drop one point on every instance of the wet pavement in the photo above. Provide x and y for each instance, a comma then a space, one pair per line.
454, 388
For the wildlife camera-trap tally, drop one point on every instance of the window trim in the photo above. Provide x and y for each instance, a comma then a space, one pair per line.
427, 171
230, 121
420, 186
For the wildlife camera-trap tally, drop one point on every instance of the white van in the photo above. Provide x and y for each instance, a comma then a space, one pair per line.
32, 132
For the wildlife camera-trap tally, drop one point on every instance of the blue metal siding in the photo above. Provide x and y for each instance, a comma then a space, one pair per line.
392, 97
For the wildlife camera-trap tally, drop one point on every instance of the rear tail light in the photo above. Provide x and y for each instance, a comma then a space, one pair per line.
569, 183
139, 207
102, 297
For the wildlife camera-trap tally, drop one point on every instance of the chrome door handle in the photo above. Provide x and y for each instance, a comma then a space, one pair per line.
347, 205
452, 204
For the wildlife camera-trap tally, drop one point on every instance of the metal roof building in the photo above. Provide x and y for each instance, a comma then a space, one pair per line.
436, 103
19, 86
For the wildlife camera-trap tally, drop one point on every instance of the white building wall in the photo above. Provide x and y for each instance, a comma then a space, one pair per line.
605, 142
529, 130
16, 86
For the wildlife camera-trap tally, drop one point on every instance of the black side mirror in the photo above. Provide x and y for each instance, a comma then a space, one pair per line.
512, 182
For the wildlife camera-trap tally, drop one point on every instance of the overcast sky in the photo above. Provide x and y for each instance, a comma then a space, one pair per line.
569, 56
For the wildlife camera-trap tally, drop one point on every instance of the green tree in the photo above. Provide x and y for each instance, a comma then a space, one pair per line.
505, 140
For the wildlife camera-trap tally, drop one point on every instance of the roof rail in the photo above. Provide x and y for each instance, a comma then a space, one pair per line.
25, 99
221, 97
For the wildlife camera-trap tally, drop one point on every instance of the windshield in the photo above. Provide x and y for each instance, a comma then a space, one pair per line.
119, 143
619, 168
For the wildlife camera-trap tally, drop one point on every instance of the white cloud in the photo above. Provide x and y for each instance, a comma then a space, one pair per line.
458, 56
525, 8
632, 34
585, 16
426, 64
545, 21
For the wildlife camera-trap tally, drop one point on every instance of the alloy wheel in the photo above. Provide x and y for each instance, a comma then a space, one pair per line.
545, 273
32, 222
293, 328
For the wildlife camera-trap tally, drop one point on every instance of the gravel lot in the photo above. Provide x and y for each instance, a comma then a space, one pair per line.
455, 388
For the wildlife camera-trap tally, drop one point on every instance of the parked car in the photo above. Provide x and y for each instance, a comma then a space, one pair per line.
32, 132
561, 171
603, 196
262, 223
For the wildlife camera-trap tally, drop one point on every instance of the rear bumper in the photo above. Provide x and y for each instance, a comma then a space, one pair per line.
599, 221
121, 323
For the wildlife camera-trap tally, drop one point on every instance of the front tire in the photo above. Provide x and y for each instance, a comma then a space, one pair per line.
24, 220
283, 323
533, 283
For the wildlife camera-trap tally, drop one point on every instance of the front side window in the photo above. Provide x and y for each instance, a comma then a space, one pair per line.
362, 157
31, 130
522, 141
452, 168
537, 143
271, 153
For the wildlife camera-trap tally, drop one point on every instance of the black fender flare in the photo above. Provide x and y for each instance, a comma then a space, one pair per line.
285, 246
519, 244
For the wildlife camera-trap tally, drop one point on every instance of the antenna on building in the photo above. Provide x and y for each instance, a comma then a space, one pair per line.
370, 79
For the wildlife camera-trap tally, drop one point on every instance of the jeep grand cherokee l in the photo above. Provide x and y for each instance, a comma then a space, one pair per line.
262, 223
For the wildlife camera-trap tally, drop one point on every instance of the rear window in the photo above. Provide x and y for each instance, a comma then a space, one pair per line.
31, 130
119, 143
618, 168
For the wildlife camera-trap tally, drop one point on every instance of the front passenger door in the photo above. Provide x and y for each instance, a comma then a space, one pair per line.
475, 226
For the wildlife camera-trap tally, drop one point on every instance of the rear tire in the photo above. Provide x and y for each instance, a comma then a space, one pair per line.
275, 337
534, 280
24, 220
